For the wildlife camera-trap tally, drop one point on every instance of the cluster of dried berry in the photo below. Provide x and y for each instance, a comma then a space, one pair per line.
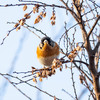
82, 78
40, 17
42, 14
74, 53
22, 21
53, 17
36, 8
46, 71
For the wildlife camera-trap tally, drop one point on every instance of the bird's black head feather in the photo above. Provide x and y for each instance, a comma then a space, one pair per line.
50, 41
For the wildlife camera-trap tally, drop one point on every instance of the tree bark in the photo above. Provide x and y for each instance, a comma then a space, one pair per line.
95, 77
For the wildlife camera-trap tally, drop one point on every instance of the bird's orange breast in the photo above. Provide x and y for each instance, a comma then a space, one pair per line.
47, 51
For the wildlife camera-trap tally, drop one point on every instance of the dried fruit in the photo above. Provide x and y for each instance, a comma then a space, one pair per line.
37, 74
16, 25
37, 20
43, 73
44, 14
36, 8
78, 48
22, 21
26, 14
34, 80
28, 17
60, 69
25, 7
48, 72
33, 67
53, 71
53, 22
54, 98
40, 79
53, 17
81, 77
18, 28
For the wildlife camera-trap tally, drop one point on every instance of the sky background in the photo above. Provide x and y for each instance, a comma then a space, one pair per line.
18, 53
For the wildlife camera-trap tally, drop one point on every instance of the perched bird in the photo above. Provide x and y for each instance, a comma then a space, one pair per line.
47, 51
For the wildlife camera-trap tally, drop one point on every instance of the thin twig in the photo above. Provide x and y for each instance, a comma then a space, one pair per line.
73, 83
36, 29
94, 3
66, 61
32, 31
68, 94
7, 35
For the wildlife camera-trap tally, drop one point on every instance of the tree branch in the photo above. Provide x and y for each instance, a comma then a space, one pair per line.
73, 83
93, 27
96, 48
71, 11
76, 61
21, 81
83, 72
15, 86
41, 5
79, 68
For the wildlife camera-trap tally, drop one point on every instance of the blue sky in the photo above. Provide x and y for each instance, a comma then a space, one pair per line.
18, 53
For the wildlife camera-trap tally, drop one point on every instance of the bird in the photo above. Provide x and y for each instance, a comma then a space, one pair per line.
47, 51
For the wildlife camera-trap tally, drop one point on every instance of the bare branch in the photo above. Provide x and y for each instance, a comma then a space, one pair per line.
78, 68
93, 27
21, 81
96, 48
36, 29
7, 35
15, 86
32, 31
76, 61
71, 11
94, 3
41, 5
73, 82
68, 94
88, 87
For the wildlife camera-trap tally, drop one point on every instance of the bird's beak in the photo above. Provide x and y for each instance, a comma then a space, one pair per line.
45, 42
